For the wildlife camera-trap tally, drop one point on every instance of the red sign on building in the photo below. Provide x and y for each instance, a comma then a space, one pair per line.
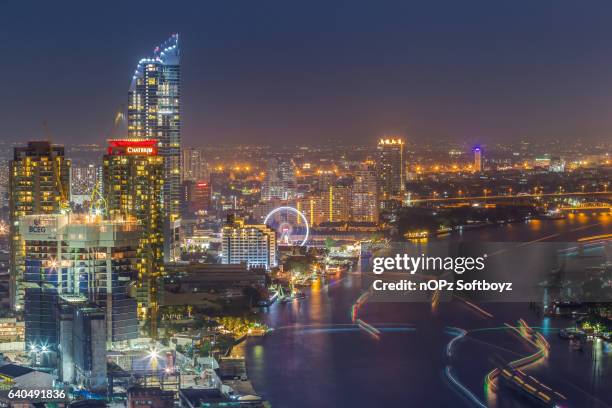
127, 147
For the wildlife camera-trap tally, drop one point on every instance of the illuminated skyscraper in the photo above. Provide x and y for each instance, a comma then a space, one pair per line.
154, 113
39, 183
390, 167
193, 166
133, 176
365, 199
477, 159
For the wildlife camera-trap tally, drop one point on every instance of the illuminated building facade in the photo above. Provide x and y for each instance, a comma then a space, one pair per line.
39, 183
69, 255
390, 167
133, 174
326, 179
254, 245
83, 181
11, 329
365, 197
333, 205
477, 159
279, 181
193, 165
154, 113
196, 197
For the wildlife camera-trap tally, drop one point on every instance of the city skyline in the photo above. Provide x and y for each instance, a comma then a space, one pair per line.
344, 72
348, 204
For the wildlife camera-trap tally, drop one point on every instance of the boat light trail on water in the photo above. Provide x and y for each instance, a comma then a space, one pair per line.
462, 388
458, 333
533, 338
476, 308
348, 327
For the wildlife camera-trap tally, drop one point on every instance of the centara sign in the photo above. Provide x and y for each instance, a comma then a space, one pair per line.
140, 150
133, 147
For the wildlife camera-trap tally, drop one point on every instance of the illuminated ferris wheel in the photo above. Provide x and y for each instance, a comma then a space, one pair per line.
290, 224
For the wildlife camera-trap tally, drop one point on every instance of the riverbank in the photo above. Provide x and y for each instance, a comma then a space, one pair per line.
315, 346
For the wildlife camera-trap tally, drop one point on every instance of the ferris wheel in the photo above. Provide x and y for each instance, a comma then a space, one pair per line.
290, 224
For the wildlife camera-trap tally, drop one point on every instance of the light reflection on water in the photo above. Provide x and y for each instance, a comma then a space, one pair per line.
345, 367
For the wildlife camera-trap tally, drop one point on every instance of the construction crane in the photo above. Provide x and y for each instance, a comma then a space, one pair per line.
97, 204
64, 202
119, 123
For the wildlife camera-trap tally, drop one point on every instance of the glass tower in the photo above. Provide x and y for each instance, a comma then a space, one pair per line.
154, 113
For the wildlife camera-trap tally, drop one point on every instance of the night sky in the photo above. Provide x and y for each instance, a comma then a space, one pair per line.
313, 71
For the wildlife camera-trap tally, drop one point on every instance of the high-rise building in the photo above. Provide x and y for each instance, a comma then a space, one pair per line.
326, 179
279, 181
83, 178
315, 208
195, 197
83, 181
193, 165
39, 183
254, 244
70, 255
333, 205
83, 349
390, 167
89, 348
154, 113
339, 203
477, 159
365, 198
133, 174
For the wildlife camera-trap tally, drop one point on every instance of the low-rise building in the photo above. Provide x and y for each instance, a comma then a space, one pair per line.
25, 378
11, 330
150, 397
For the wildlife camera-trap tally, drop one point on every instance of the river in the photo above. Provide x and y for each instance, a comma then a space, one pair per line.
317, 357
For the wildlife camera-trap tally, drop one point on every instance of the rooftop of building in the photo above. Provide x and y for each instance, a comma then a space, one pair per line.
88, 403
37, 148
14, 370
139, 391
198, 396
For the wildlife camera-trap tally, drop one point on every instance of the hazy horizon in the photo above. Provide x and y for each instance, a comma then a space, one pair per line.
280, 73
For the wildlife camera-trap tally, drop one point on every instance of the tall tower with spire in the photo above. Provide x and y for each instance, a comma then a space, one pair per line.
154, 102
